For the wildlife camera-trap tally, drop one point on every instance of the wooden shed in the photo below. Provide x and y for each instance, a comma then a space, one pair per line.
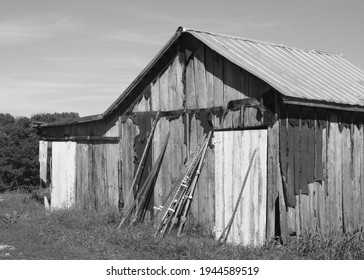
297, 115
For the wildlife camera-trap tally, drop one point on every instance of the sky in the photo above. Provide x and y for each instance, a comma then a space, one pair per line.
80, 55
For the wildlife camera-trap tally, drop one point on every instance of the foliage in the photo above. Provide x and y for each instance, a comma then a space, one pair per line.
19, 165
55, 117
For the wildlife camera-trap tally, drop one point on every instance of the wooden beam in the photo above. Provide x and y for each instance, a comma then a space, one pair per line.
320, 104
81, 138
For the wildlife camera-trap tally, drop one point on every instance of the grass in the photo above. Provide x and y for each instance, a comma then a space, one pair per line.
71, 234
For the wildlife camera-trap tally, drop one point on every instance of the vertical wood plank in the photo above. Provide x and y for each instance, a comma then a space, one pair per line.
209, 55
63, 174
272, 192
164, 91
129, 130
190, 85
228, 143
218, 78
362, 177
200, 78
180, 69
210, 166
43, 156
357, 157
219, 184
82, 183
335, 174
347, 190
155, 98
172, 85
112, 159
321, 186
291, 220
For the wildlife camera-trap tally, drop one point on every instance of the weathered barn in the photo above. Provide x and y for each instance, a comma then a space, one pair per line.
299, 113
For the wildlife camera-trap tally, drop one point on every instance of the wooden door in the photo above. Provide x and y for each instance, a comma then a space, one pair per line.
233, 154
63, 174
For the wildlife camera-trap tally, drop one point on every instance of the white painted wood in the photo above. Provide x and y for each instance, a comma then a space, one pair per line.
43, 149
63, 174
233, 153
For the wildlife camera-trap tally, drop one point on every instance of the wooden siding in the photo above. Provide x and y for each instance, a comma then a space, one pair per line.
334, 203
128, 132
233, 153
97, 178
63, 174
43, 156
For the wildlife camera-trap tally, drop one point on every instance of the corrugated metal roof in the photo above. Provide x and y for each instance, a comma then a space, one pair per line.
296, 73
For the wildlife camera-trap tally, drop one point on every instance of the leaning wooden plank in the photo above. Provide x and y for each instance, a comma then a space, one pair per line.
171, 213
172, 195
193, 186
202, 194
194, 140
147, 188
226, 231
142, 192
134, 185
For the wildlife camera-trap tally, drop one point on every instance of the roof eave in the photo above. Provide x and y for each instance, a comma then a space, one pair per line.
321, 104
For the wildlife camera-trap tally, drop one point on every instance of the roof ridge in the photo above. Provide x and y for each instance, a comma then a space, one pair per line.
183, 29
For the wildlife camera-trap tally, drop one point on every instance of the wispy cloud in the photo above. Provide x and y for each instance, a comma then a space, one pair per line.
135, 37
28, 30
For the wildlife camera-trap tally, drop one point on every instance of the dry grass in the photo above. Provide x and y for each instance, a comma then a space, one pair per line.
71, 234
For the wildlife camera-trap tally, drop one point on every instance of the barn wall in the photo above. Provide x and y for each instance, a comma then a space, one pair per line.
191, 93
331, 200
97, 176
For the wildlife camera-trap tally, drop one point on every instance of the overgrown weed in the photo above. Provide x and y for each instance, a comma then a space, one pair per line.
90, 234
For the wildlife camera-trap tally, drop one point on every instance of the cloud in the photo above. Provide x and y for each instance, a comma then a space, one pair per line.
28, 30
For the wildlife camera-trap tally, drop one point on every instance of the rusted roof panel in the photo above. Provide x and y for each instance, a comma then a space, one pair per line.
296, 73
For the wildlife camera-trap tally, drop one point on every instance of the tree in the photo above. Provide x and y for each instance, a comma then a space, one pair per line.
55, 117
19, 164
